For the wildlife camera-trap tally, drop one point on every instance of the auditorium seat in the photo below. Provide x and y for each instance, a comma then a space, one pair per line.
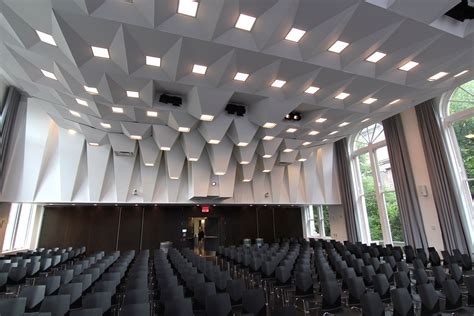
101, 300
13, 306
86, 312
74, 290
372, 305
135, 310
34, 296
402, 302
218, 305
52, 283
253, 301
57, 305
179, 307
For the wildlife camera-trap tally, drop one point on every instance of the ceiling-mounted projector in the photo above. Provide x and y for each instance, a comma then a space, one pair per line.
171, 99
236, 109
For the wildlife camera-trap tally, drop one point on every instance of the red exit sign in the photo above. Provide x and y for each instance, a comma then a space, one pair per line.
205, 209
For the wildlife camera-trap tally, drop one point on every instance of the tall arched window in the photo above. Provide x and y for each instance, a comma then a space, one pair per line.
457, 112
376, 198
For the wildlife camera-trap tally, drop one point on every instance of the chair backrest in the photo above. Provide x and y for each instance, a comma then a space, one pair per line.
218, 305
179, 307
368, 274
86, 312
381, 285
429, 299
453, 295
106, 286
356, 288
202, 290
236, 289
253, 301
402, 302
34, 295
12, 306
17, 275
402, 280
57, 305
137, 296
455, 272
420, 276
52, 283
135, 309
73, 289
102, 300
66, 275
372, 305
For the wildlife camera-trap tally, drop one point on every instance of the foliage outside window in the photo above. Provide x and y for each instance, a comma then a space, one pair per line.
20, 227
376, 196
317, 221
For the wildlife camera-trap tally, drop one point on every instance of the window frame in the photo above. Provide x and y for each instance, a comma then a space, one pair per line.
309, 220
17, 208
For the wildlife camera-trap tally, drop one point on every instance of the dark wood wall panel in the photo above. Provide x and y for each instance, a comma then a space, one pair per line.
130, 228
288, 222
265, 223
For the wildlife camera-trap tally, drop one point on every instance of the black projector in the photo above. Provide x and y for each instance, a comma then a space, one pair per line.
171, 99
236, 109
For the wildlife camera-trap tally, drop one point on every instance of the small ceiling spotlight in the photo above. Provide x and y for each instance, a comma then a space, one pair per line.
293, 116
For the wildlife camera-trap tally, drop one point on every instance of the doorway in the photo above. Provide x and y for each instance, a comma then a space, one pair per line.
210, 228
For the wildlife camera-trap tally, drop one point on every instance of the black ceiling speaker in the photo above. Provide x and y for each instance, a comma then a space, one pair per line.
236, 109
171, 99
462, 11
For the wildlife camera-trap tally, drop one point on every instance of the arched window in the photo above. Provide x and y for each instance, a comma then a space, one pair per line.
376, 198
457, 113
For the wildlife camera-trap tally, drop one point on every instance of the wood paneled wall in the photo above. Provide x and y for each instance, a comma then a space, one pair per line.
134, 227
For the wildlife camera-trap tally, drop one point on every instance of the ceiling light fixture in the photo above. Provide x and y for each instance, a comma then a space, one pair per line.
461, 73
94, 144
105, 125
76, 114
199, 69
278, 83
152, 113
100, 52
44, 37
81, 102
325, 140
288, 150
333, 133
184, 129
266, 170
242, 144
135, 137
192, 159
338, 47
72, 131
133, 94
437, 76
246, 180
48, 74
148, 164
206, 117
409, 65
164, 148
91, 90
394, 101
375, 57
267, 156
295, 35
153, 61
117, 109
214, 141
369, 101
269, 125
306, 143
245, 22
321, 120
244, 162
342, 96
240, 76
302, 159
174, 178
312, 133
268, 137
188, 7
219, 173
311, 90
291, 130
344, 124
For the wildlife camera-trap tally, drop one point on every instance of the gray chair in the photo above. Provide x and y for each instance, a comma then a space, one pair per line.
34, 296
402, 302
86, 312
17, 275
372, 305
253, 301
135, 310
57, 305
102, 300
236, 289
381, 286
85, 279
52, 283
202, 290
218, 305
66, 276
74, 290
356, 288
430, 303
12, 306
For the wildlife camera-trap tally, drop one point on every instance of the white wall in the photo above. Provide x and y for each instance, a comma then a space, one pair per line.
49, 165
422, 179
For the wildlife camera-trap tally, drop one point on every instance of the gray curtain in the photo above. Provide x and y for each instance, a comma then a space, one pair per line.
405, 187
442, 183
346, 188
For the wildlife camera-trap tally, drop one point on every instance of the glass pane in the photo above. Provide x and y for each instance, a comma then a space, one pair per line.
394, 217
462, 98
327, 226
10, 227
369, 135
464, 131
23, 226
385, 170
368, 187
316, 218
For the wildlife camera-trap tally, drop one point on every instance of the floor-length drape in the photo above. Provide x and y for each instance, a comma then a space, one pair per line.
441, 179
405, 187
346, 188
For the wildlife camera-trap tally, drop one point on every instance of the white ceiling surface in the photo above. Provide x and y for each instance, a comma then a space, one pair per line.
130, 30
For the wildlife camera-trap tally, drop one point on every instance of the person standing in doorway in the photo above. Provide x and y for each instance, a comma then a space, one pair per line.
201, 241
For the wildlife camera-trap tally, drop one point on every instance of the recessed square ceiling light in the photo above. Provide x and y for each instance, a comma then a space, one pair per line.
333, 133
311, 90
312, 133
375, 57
206, 117
44, 37
48, 74
394, 101
242, 144
148, 164
76, 114
278, 83
165, 148
105, 125
153, 61
306, 143
136, 137
266, 170
437, 76
117, 109
240, 76
192, 159
267, 156
100, 52
342, 95
133, 94
325, 140
91, 90
268, 137
344, 124
199, 69
369, 100
302, 159
72, 131
245, 22
408, 66
152, 113
244, 162
219, 173
184, 129
269, 125
338, 47
291, 130
461, 73
174, 178
246, 180
288, 150
295, 35
94, 144
214, 141
82, 102
321, 120
365, 120
188, 7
